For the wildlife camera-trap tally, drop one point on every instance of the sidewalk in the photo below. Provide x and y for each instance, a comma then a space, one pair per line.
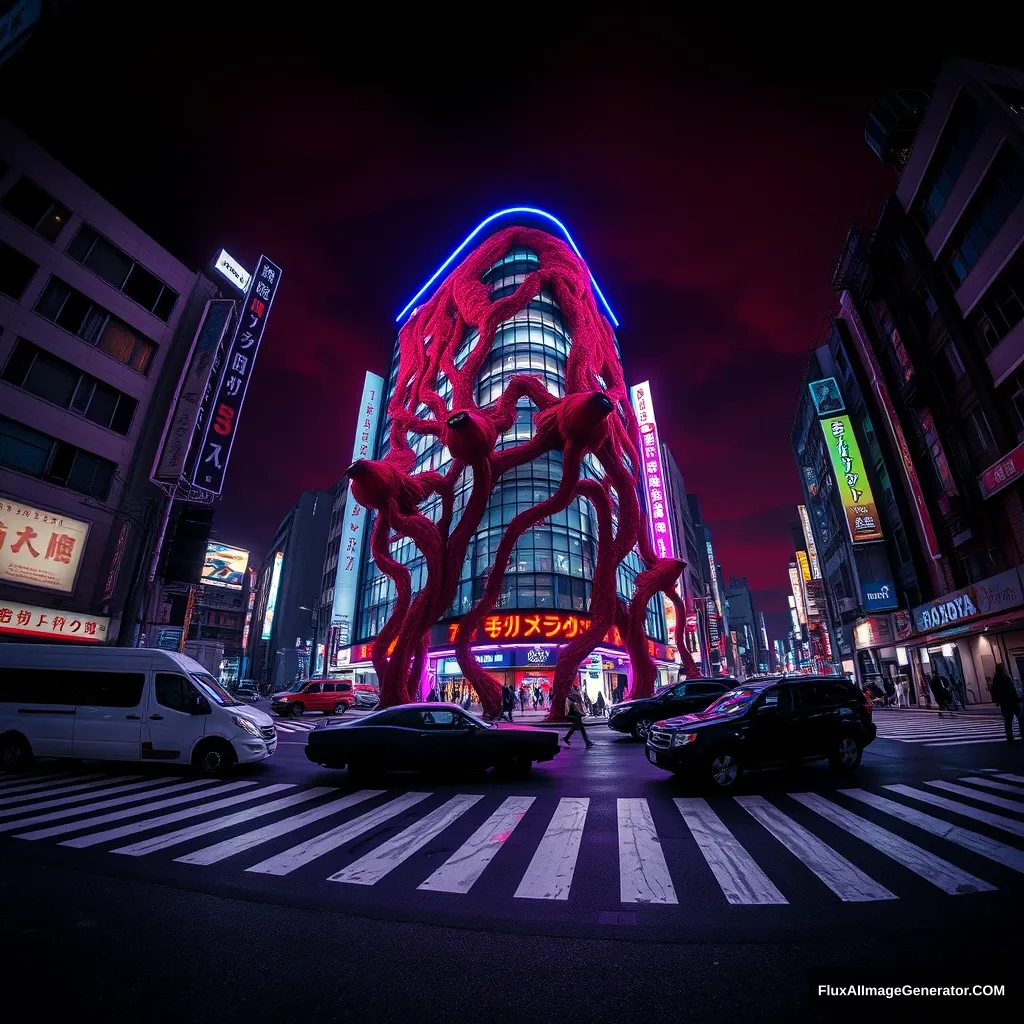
981, 710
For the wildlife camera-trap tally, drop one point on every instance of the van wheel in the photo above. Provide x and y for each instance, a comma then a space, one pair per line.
340, 708
214, 757
298, 711
15, 752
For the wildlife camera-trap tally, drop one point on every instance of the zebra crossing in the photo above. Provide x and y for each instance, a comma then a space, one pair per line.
928, 730
293, 725
957, 837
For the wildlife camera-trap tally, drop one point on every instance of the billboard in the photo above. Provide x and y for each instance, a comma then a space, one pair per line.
798, 593
40, 548
812, 550
827, 397
224, 566
220, 430
275, 583
805, 565
226, 265
849, 469
354, 524
184, 421
652, 473
54, 624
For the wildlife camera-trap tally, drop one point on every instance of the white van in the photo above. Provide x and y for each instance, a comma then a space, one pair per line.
123, 704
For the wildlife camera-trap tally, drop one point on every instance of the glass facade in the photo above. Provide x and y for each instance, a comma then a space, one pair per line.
553, 563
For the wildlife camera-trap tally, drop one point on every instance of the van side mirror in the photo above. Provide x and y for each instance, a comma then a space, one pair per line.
201, 706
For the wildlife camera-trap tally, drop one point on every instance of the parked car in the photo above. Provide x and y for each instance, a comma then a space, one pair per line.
247, 690
637, 716
764, 724
366, 695
123, 704
312, 695
424, 736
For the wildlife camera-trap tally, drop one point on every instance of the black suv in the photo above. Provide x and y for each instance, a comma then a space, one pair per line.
637, 716
765, 723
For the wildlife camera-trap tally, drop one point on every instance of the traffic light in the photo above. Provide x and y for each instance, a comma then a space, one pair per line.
184, 549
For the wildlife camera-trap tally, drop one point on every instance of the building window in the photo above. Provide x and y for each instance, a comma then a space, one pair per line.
44, 375
16, 271
118, 269
1002, 306
957, 142
979, 433
37, 209
956, 364
1000, 191
88, 320
57, 462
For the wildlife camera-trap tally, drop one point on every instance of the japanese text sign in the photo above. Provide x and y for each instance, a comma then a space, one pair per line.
27, 620
39, 548
220, 430
854, 489
1002, 473
651, 471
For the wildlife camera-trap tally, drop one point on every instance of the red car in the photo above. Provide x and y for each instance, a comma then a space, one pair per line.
331, 696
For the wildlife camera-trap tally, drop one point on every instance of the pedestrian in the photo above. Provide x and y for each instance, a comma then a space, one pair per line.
1004, 693
536, 697
902, 699
600, 703
508, 702
941, 694
524, 696
574, 712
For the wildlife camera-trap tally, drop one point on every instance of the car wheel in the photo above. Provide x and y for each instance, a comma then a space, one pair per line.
846, 756
340, 708
517, 763
642, 728
724, 770
214, 757
15, 752
298, 710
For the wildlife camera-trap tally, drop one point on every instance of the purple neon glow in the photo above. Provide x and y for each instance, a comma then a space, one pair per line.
652, 472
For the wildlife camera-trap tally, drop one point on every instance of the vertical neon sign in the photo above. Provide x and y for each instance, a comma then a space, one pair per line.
652, 473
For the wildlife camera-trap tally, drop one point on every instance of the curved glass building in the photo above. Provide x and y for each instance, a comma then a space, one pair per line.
547, 586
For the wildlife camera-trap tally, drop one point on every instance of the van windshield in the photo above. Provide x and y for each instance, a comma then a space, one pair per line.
212, 690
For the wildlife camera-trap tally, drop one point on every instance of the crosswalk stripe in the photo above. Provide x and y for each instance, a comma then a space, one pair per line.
550, 873
946, 876
973, 841
1010, 778
999, 787
122, 802
46, 790
237, 844
467, 864
78, 798
995, 820
977, 794
371, 868
110, 834
286, 862
736, 872
181, 835
964, 743
15, 783
844, 878
643, 873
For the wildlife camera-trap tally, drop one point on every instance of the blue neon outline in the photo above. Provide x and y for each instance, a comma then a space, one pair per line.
476, 231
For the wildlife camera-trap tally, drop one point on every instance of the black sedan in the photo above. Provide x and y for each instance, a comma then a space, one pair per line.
427, 736
637, 716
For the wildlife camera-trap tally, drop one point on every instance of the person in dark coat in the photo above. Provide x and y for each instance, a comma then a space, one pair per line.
508, 701
574, 712
940, 693
1004, 693
599, 703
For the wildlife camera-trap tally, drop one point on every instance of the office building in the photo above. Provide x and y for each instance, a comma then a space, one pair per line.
745, 629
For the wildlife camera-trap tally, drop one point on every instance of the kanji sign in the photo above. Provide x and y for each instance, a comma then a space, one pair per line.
851, 476
40, 548
651, 471
52, 623
1002, 473
214, 453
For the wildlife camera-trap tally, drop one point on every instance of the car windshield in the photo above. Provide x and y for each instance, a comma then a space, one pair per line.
212, 690
731, 703
296, 686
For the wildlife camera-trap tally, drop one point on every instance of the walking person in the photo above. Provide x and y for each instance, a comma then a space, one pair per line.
508, 702
574, 712
599, 703
1004, 693
902, 693
938, 688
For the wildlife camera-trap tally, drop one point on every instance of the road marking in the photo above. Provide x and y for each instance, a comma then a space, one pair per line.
110, 834
844, 878
462, 869
152, 785
977, 794
995, 820
999, 787
966, 743
549, 875
1010, 778
16, 783
946, 876
45, 790
181, 835
371, 868
247, 840
973, 841
736, 872
643, 873
311, 849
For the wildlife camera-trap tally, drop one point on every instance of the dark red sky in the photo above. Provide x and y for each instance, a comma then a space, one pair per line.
708, 174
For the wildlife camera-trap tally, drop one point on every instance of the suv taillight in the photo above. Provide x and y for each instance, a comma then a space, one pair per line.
867, 702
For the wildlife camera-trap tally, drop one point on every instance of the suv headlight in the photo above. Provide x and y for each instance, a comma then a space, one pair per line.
246, 725
682, 739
